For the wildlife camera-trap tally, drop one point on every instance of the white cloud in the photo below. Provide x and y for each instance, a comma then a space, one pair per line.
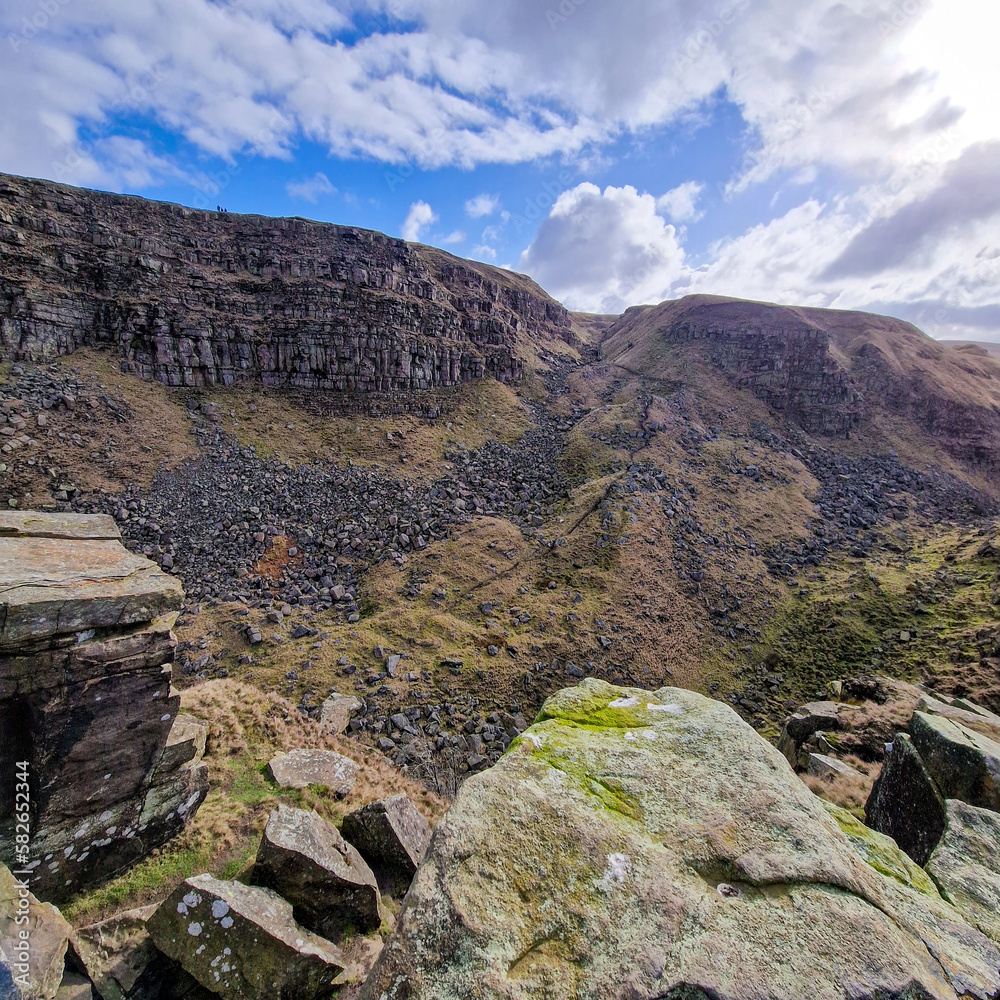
484, 252
481, 205
420, 216
602, 252
444, 82
458, 236
312, 188
680, 204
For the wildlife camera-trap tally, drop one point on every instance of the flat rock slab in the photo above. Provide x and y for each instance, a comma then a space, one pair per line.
32, 524
392, 836
309, 863
302, 768
242, 942
651, 844
59, 585
35, 973
966, 865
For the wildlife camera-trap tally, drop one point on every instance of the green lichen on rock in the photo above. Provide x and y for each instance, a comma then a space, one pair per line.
881, 852
636, 843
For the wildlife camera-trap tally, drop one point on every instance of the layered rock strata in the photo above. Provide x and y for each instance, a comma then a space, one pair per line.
85, 701
201, 298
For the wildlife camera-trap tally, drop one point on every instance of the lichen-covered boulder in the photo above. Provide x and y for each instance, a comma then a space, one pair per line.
306, 860
303, 767
966, 865
242, 942
905, 803
392, 836
652, 845
963, 763
33, 941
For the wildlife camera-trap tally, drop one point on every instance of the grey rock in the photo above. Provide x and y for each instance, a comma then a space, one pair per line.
242, 942
392, 836
905, 803
303, 767
306, 860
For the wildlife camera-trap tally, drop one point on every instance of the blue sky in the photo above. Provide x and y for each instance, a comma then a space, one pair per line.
824, 152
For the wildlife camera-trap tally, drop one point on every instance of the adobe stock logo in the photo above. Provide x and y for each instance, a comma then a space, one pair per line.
34, 25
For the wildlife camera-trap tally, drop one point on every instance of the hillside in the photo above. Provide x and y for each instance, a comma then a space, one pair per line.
832, 372
198, 298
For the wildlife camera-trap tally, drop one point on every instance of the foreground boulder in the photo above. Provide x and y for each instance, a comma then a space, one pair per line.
302, 768
33, 941
392, 836
963, 763
243, 943
85, 698
942, 758
641, 845
307, 861
904, 803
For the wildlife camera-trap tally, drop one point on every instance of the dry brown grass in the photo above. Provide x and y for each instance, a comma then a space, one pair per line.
283, 425
246, 727
112, 455
849, 791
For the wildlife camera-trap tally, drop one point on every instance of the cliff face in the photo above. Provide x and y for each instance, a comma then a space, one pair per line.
829, 371
200, 298
86, 701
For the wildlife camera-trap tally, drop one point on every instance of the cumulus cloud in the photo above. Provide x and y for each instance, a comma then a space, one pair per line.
443, 82
680, 203
482, 205
484, 252
604, 251
312, 188
968, 192
420, 216
456, 236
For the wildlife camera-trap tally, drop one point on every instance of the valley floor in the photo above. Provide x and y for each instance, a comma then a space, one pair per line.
453, 571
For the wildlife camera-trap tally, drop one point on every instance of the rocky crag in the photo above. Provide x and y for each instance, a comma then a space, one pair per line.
831, 372
199, 298
85, 700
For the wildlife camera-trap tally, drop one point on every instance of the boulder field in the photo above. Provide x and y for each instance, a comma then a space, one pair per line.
650, 844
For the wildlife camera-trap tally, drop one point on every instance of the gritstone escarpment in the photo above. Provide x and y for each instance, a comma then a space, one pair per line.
198, 298
86, 703
831, 372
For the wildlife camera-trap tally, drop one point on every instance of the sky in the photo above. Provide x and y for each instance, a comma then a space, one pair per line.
840, 153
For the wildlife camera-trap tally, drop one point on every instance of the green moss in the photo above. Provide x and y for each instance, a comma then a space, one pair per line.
557, 750
881, 852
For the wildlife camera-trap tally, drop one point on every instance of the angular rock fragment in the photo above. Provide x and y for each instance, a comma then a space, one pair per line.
336, 712
905, 803
963, 763
115, 953
242, 942
306, 860
392, 836
966, 865
33, 941
302, 768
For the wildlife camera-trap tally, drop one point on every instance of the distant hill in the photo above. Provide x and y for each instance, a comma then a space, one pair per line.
982, 347
829, 371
